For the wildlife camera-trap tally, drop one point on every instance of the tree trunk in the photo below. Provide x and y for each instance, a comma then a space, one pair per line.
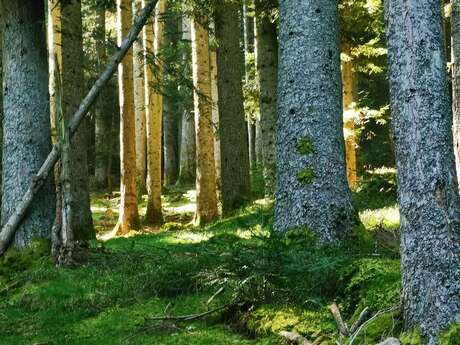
104, 110
139, 109
72, 92
455, 27
129, 216
154, 106
26, 121
215, 121
312, 189
233, 132
349, 99
206, 204
187, 150
1, 106
428, 193
267, 70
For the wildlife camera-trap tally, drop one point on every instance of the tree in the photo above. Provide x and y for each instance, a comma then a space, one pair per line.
267, 70
26, 121
139, 109
129, 216
455, 27
312, 189
233, 132
154, 106
72, 92
427, 184
206, 208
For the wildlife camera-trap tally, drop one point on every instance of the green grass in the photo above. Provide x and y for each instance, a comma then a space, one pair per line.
280, 283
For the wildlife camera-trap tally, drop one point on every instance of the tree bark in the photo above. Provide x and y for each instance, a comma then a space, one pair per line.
26, 122
215, 121
312, 189
427, 184
455, 27
233, 132
104, 110
1, 105
140, 109
206, 204
154, 101
72, 92
129, 216
267, 70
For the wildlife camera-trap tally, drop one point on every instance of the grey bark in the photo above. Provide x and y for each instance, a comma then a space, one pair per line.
233, 132
104, 109
455, 28
187, 150
72, 93
27, 131
1, 107
427, 184
312, 188
267, 69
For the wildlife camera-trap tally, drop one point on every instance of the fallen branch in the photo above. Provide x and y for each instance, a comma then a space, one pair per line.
9, 229
359, 321
295, 338
342, 326
190, 317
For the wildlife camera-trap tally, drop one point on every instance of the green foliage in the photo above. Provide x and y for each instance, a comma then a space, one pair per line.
306, 176
451, 336
411, 338
306, 146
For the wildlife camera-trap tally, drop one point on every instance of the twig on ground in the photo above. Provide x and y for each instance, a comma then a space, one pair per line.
295, 338
359, 321
342, 326
190, 317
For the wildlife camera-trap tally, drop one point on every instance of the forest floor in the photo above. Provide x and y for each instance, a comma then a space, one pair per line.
267, 283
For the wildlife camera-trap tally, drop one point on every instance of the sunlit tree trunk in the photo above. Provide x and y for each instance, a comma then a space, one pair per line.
26, 122
427, 184
312, 189
215, 119
72, 93
267, 70
154, 106
235, 182
349, 99
206, 209
129, 216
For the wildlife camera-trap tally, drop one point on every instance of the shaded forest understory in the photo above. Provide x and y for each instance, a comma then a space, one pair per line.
266, 283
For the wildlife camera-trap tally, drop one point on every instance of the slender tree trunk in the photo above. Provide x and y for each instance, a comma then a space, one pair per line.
129, 216
139, 109
152, 41
26, 121
455, 27
215, 121
233, 132
104, 110
1, 105
349, 99
267, 70
72, 93
428, 191
206, 208
312, 188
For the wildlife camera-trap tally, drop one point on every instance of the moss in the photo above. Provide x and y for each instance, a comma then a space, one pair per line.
306, 146
412, 338
451, 336
381, 328
306, 176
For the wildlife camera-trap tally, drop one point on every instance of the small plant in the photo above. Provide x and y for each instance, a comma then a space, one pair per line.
306, 146
306, 176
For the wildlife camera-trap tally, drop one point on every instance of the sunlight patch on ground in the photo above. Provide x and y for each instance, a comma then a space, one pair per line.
189, 207
188, 237
387, 217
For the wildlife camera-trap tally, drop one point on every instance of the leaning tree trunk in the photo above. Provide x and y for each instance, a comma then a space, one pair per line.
104, 109
455, 27
72, 92
427, 184
206, 190
26, 121
233, 132
129, 216
139, 109
154, 107
312, 189
267, 69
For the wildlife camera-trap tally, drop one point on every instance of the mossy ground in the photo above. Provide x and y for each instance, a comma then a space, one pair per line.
281, 283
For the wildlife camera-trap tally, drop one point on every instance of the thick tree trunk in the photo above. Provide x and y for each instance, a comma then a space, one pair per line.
104, 110
1, 106
233, 132
72, 92
312, 188
455, 27
154, 106
267, 69
26, 122
129, 216
139, 109
349, 99
206, 208
427, 184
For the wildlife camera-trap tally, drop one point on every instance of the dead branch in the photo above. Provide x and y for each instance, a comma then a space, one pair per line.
359, 321
342, 326
295, 338
9, 229
190, 317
